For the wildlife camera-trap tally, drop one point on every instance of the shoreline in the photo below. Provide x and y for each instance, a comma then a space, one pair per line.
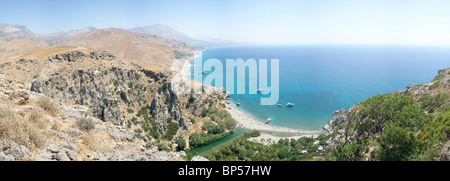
247, 121
268, 139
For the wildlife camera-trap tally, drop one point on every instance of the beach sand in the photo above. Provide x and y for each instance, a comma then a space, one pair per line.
267, 139
249, 122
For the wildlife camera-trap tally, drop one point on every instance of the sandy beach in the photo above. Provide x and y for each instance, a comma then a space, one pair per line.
267, 139
249, 122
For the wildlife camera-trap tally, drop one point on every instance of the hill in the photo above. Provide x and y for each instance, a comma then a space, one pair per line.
75, 103
151, 49
412, 124
18, 40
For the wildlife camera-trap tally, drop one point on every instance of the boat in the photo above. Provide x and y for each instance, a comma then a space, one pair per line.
290, 105
238, 104
203, 73
260, 90
279, 105
268, 120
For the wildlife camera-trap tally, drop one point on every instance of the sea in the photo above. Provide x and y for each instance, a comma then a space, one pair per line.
320, 79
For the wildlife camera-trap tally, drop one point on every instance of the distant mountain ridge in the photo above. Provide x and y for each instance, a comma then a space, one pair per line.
19, 31
62, 35
9, 30
168, 32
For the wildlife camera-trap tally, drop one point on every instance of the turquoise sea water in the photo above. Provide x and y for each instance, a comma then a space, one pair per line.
322, 79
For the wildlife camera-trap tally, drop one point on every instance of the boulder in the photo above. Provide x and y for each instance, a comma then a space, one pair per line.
445, 152
122, 135
19, 152
74, 132
4, 157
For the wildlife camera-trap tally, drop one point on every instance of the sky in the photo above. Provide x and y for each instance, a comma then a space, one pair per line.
265, 22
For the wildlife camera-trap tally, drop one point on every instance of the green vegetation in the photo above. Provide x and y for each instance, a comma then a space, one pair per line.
200, 139
171, 130
435, 85
148, 125
384, 127
123, 95
252, 133
181, 144
216, 128
162, 147
179, 55
396, 128
164, 87
431, 103
288, 150
191, 98
192, 120
143, 111
129, 110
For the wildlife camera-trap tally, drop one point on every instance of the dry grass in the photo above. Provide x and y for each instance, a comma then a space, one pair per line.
93, 144
20, 130
50, 107
37, 117
56, 126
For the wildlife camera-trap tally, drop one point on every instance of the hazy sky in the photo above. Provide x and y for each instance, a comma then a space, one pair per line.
410, 22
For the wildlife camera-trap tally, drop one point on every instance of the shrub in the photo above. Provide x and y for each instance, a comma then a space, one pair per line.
216, 129
56, 126
171, 130
48, 106
85, 124
207, 124
181, 144
199, 139
129, 110
251, 133
229, 123
204, 112
19, 130
36, 116
162, 147
191, 98
93, 144
192, 120
123, 95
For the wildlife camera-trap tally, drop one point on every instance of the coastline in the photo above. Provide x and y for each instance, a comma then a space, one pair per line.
249, 122
268, 139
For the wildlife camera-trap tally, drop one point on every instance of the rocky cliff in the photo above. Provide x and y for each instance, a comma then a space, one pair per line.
91, 105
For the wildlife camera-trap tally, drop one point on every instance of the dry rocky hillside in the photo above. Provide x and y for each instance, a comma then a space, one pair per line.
147, 48
16, 40
75, 103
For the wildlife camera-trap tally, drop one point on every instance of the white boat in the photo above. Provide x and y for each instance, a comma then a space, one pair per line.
260, 90
290, 105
